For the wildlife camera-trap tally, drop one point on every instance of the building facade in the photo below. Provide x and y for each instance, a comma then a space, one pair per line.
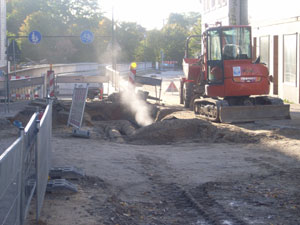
2, 33
275, 37
228, 12
276, 41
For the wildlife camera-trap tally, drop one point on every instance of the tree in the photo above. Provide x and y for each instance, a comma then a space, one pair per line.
129, 37
55, 18
178, 19
196, 43
103, 44
174, 37
51, 49
149, 49
18, 10
71, 17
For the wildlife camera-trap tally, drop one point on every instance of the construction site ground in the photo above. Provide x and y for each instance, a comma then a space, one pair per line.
178, 170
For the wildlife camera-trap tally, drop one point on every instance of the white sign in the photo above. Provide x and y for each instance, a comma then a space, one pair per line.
78, 105
236, 71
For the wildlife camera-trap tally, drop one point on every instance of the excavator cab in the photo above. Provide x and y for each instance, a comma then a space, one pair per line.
223, 44
229, 70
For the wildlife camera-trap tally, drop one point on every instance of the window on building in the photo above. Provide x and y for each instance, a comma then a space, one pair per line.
213, 3
264, 50
290, 59
207, 5
220, 3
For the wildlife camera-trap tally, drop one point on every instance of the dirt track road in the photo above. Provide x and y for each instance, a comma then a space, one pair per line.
179, 171
245, 174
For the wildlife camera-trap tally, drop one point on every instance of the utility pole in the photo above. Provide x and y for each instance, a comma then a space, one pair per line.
113, 59
145, 46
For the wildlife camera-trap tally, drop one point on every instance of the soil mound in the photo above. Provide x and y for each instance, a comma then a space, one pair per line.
174, 130
193, 130
114, 121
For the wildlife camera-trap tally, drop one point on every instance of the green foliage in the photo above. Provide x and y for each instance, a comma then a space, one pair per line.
149, 49
56, 18
195, 43
174, 36
70, 17
49, 48
171, 39
129, 36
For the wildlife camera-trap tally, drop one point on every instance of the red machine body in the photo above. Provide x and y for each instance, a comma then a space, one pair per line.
225, 74
253, 80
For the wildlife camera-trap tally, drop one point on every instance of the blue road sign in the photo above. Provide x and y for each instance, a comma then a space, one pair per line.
35, 37
86, 37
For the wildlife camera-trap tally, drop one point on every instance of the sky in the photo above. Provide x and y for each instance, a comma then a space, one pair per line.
150, 14
154, 13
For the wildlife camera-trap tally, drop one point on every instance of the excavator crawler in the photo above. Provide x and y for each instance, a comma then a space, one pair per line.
224, 84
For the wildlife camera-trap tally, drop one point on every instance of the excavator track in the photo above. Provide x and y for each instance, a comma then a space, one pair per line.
207, 108
260, 108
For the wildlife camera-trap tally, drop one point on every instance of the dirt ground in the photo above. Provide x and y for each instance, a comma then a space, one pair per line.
179, 170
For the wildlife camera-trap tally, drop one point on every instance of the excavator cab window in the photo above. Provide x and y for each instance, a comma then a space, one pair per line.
225, 43
236, 43
214, 58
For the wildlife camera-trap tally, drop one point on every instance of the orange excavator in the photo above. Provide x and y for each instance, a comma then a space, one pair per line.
224, 84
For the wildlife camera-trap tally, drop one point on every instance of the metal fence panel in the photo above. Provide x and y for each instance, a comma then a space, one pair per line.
43, 157
10, 185
29, 169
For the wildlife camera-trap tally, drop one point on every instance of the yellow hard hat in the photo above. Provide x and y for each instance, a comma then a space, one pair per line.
133, 65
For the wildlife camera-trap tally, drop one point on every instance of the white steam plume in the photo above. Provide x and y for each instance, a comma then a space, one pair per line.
137, 106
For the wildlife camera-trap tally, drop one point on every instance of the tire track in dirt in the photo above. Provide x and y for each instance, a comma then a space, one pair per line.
204, 208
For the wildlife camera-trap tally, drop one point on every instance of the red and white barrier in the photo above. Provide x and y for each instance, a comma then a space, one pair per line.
101, 94
30, 92
19, 77
131, 78
50, 82
20, 96
17, 96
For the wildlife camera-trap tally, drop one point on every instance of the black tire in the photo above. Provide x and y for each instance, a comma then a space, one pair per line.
187, 93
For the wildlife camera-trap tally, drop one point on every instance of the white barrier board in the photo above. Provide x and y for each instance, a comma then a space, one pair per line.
78, 105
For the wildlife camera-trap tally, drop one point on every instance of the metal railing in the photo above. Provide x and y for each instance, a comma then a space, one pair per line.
24, 168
